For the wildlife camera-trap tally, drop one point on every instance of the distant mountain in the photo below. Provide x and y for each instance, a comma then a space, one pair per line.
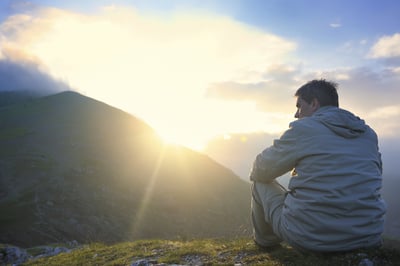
73, 168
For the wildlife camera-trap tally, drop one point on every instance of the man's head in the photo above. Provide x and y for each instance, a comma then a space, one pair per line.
315, 94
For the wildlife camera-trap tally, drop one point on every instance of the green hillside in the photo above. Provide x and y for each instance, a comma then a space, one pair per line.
73, 168
195, 252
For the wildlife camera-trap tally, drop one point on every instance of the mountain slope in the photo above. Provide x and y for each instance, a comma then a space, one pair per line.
13, 97
73, 168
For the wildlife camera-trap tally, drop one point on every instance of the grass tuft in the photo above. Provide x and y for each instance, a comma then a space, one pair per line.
209, 252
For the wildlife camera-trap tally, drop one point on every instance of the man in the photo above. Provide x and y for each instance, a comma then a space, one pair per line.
333, 202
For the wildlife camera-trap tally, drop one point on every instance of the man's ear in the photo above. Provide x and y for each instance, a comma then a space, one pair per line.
315, 104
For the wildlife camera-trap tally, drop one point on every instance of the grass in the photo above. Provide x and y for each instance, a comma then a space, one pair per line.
207, 252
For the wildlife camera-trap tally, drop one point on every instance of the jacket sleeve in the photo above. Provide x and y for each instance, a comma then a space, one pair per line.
278, 159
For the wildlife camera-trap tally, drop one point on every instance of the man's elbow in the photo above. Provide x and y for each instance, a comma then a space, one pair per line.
261, 175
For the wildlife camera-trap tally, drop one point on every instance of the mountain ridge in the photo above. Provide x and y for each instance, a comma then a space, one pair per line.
74, 168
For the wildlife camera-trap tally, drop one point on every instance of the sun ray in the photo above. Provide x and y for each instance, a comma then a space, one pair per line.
141, 211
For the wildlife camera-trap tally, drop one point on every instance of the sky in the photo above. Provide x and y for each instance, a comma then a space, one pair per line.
217, 76
202, 70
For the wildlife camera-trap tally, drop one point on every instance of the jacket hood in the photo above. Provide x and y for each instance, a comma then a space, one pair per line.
340, 121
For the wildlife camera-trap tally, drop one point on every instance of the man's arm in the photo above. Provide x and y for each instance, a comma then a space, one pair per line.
278, 159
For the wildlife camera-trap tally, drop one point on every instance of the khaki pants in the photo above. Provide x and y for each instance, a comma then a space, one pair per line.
266, 209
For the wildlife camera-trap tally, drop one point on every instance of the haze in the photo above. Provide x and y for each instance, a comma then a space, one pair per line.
198, 71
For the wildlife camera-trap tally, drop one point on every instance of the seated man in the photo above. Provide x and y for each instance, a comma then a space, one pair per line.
333, 202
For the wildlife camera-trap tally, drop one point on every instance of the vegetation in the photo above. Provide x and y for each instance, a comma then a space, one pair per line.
209, 252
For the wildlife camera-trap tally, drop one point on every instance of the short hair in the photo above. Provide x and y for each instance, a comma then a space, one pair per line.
322, 90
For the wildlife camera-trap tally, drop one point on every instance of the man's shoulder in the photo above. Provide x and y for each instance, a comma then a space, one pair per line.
306, 127
305, 123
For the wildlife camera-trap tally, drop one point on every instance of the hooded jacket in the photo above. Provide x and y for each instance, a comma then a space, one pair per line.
334, 201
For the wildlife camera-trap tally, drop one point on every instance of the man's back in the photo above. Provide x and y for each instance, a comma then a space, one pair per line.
334, 201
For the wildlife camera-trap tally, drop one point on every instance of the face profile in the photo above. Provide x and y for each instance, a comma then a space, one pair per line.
305, 109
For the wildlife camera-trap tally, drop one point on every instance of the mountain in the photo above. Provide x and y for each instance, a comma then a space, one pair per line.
73, 168
13, 97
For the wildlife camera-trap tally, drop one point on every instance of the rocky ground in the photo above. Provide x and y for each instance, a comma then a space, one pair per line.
194, 252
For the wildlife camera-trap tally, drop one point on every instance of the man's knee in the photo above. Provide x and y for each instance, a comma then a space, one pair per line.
267, 190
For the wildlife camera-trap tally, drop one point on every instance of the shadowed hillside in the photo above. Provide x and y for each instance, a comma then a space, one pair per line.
14, 97
73, 168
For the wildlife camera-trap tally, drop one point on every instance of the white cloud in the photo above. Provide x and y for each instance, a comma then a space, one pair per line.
385, 47
353, 49
156, 67
370, 94
385, 120
386, 112
189, 43
335, 25
395, 70
273, 92
160, 67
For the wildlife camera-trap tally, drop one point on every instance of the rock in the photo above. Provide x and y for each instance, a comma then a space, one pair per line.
366, 262
151, 262
10, 255
52, 251
13, 255
73, 244
142, 262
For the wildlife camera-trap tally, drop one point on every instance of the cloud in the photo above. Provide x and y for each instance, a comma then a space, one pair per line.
121, 43
386, 47
335, 25
354, 48
365, 88
386, 112
155, 66
28, 77
201, 71
272, 92
369, 93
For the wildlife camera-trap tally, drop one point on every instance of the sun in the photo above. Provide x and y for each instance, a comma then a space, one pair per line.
184, 137
160, 72
193, 127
